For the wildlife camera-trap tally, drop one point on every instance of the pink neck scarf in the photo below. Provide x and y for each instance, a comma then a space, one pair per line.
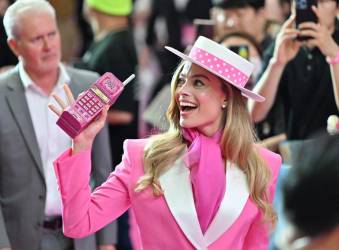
207, 174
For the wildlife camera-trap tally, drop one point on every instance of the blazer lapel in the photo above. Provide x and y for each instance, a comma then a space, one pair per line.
179, 198
234, 201
178, 194
17, 103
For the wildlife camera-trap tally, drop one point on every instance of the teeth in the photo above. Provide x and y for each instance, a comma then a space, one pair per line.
187, 104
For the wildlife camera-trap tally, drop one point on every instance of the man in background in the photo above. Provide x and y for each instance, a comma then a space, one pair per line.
247, 16
30, 205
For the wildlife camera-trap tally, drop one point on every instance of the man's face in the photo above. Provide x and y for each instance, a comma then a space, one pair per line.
37, 43
243, 19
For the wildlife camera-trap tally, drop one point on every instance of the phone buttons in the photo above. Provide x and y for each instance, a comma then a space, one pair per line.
76, 116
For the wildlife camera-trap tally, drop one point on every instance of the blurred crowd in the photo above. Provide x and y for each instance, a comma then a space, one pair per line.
296, 70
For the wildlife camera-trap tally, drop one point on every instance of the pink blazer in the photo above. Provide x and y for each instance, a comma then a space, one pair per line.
167, 222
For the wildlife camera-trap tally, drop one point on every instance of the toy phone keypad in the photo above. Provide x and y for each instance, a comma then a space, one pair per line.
89, 105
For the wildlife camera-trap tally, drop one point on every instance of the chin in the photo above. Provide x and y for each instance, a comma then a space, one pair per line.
185, 124
50, 66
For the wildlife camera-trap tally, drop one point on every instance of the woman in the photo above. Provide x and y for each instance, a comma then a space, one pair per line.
201, 185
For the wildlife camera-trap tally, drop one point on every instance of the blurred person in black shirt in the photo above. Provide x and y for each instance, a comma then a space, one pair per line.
304, 75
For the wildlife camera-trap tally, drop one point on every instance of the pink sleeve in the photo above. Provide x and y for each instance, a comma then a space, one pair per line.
84, 212
257, 237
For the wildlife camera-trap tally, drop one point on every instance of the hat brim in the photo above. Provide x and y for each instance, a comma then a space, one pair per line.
245, 92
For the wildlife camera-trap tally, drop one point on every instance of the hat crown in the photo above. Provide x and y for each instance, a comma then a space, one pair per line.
221, 61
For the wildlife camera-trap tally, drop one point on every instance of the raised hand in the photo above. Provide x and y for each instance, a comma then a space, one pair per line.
85, 139
286, 45
321, 36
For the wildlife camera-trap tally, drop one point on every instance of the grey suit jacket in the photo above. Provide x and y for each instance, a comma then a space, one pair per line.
22, 182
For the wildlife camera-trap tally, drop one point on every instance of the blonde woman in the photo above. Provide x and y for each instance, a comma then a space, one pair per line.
203, 184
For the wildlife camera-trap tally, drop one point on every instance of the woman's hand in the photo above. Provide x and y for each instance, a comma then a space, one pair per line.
85, 139
286, 45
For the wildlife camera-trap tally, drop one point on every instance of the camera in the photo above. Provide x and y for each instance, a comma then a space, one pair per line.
241, 50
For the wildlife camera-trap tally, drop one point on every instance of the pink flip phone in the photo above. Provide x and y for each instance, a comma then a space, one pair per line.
89, 104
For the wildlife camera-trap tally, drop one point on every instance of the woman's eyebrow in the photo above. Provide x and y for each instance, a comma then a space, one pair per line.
202, 76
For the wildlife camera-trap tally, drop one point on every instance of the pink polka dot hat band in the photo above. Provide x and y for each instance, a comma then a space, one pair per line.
222, 62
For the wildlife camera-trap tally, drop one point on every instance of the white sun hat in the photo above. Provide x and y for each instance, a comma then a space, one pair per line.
222, 62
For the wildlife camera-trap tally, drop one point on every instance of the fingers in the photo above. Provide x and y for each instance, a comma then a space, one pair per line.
69, 95
101, 119
103, 115
309, 33
308, 25
59, 101
289, 35
289, 22
316, 12
54, 109
310, 29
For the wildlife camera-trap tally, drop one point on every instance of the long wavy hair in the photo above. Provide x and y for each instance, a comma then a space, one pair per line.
237, 146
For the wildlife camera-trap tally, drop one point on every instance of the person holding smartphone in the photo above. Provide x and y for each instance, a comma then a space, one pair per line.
304, 73
203, 184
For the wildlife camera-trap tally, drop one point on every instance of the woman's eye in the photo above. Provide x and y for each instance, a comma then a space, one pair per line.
198, 83
180, 82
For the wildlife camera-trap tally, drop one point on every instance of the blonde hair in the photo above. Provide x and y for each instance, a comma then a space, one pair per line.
237, 147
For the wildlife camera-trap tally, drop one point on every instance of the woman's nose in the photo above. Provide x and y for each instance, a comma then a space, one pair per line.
184, 89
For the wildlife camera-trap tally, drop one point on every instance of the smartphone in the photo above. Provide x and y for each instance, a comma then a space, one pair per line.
304, 13
241, 50
89, 104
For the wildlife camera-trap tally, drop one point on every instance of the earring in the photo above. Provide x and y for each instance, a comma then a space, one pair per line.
224, 105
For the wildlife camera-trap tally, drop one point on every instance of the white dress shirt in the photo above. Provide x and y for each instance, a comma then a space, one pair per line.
51, 139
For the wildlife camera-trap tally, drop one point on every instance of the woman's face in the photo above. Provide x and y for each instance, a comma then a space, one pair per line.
200, 99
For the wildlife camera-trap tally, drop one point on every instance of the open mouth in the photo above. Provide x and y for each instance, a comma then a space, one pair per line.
187, 106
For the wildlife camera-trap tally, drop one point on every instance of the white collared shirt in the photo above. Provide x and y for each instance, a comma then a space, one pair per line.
51, 139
